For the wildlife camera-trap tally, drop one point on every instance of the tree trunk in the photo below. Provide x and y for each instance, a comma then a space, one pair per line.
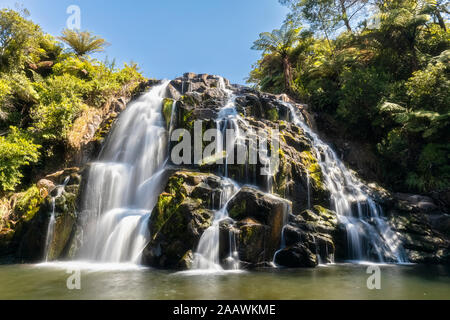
344, 15
440, 20
287, 74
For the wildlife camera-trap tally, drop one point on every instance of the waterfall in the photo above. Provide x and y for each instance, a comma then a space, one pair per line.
308, 182
123, 185
52, 222
207, 254
367, 231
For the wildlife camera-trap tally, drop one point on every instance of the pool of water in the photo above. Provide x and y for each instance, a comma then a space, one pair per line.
340, 281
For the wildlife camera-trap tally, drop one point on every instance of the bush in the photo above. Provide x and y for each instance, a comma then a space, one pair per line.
16, 150
360, 93
429, 88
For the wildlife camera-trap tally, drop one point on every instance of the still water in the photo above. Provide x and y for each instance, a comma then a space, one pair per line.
341, 281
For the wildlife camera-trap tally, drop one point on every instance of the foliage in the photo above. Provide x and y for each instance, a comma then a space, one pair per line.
384, 79
83, 42
279, 42
16, 151
44, 90
27, 203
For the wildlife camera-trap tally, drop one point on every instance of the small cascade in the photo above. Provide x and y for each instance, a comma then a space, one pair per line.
308, 182
287, 211
367, 231
51, 224
232, 260
207, 254
123, 185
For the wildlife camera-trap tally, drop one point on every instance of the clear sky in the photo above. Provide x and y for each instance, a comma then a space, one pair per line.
169, 37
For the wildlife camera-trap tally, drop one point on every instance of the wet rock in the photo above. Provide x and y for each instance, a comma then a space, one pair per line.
424, 236
65, 219
252, 242
297, 256
260, 218
31, 230
46, 184
317, 229
183, 212
6, 238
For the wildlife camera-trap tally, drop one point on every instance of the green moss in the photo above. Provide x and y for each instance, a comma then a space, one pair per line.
164, 209
189, 100
282, 175
272, 114
313, 167
168, 202
167, 110
28, 203
238, 209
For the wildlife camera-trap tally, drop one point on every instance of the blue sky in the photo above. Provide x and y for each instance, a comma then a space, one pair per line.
170, 37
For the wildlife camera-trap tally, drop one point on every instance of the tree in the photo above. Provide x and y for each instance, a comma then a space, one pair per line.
18, 40
327, 15
83, 42
279, 42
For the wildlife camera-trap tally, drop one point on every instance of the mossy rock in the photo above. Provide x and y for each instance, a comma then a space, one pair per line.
313, 169
180, 234
167, 110
252, 242
272, 114
261, 218
28, 203
183, 212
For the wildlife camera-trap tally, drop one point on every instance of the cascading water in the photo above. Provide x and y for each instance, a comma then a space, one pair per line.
367, 232
207, 254
123, 185
51, 224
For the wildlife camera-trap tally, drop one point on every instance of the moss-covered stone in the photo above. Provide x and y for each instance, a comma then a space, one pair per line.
28, 203
260, 218
167, 110
313, 168
183, 212
272, 114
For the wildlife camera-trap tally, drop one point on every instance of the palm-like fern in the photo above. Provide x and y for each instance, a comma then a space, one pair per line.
280, 41
83, 42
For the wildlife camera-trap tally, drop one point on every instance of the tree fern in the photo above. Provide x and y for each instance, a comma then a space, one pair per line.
83, 42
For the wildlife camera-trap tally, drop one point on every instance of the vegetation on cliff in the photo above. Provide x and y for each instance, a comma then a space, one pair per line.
45, 92
377, 69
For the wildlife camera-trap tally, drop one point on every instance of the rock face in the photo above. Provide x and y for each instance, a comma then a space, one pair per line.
312, 237
259, 220
183, 212
30, 235
423, 229
199, 99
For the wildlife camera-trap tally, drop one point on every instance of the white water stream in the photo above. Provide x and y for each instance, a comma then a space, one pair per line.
367, 231
123, 185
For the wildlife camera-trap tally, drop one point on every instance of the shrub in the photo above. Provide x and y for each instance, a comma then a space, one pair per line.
16, 150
